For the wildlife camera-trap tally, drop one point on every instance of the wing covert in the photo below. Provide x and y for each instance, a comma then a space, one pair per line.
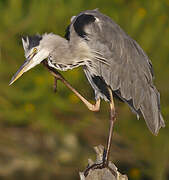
128, 68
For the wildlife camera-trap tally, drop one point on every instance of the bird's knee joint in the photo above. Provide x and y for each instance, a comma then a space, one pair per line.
94, 109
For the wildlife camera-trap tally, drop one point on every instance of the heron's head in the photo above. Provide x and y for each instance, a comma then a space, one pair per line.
37, 48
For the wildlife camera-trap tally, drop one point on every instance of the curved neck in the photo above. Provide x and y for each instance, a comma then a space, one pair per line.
66, 55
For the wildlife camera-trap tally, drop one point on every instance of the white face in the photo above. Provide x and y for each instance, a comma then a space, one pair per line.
37, 48
33, 57
36, 57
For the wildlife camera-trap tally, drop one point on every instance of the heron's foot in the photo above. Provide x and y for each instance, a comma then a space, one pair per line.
99, 166
92, 167
103, 163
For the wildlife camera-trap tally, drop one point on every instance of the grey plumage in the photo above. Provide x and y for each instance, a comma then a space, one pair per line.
109, 57
127, 70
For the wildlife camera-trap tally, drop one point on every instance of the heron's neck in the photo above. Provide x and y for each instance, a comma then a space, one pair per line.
67, 55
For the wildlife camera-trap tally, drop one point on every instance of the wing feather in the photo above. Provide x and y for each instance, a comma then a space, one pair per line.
129, 71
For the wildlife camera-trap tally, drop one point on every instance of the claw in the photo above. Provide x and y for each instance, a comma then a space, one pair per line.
92, 167
101, 165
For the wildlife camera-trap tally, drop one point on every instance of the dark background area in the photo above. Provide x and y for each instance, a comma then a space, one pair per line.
44, 135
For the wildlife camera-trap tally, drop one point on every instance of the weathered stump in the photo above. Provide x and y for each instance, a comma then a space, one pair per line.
105, 173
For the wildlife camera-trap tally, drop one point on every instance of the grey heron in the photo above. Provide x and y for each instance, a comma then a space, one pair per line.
113, 62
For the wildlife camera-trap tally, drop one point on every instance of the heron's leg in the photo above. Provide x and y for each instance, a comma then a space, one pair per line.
55, 85
106, 153
58, 76
112, 120
91, 107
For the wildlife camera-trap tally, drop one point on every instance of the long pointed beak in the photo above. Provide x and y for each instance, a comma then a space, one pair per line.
25, 67
34, 59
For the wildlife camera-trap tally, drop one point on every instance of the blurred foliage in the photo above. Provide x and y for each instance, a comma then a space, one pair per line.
30, 102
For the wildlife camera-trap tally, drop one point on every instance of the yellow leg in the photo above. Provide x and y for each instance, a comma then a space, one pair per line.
58, 76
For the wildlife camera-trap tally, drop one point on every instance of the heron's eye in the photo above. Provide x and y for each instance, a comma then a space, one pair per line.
35, 50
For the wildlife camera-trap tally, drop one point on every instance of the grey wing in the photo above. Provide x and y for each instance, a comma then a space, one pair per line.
128, 70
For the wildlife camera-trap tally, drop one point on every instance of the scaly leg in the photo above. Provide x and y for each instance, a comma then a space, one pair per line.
112, 120
91, 107
58, 76
104, 163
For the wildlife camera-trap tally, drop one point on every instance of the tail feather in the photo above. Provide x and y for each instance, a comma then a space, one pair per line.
150, 109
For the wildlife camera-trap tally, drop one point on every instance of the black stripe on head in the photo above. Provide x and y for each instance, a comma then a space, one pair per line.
24, 38
80, 23
34, 41
102, 86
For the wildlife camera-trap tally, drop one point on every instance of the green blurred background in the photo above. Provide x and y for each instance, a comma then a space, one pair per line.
44, 135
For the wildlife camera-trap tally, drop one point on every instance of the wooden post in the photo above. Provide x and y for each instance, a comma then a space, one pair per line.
102, 174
